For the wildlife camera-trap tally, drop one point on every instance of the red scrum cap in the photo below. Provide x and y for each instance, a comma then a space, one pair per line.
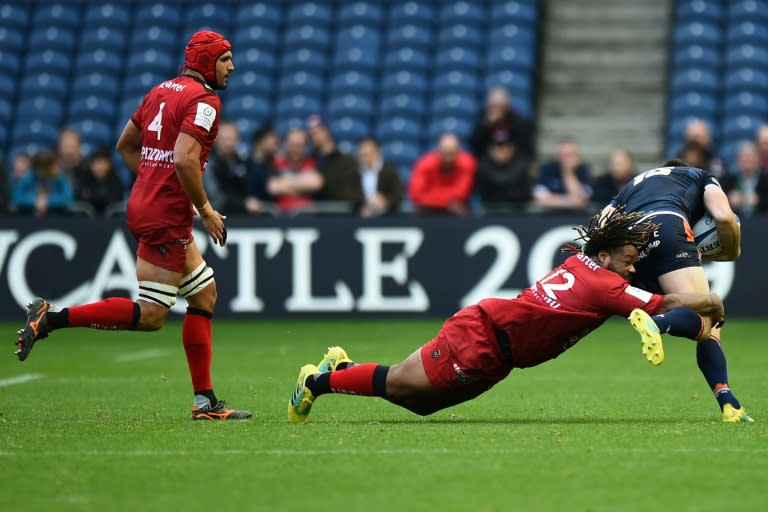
202, 51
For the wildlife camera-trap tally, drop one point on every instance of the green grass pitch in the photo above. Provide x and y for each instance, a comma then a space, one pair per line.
99, 421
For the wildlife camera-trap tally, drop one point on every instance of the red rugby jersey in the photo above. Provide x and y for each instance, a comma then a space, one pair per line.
571, 301
180, 105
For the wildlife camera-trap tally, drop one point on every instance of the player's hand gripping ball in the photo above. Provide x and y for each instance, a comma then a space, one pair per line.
705, 236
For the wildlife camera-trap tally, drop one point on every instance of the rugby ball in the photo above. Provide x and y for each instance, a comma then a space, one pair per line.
705, 236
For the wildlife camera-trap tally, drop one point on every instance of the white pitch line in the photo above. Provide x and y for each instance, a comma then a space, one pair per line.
20, 379
140, 356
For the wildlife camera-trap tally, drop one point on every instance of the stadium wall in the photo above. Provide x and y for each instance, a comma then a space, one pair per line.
330, 266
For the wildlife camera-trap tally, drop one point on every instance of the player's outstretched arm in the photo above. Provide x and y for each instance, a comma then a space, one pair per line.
129, 146
727, 226
186, 158
706, 304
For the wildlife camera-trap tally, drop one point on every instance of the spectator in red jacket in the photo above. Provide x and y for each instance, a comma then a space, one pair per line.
441, 181
295, 179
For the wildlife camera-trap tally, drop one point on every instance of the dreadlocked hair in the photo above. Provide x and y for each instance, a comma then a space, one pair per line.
617, 229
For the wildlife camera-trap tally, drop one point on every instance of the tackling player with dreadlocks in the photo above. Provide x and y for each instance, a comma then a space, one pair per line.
479, 345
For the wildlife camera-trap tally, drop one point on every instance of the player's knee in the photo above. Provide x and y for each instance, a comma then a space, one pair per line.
206, 298
152, 316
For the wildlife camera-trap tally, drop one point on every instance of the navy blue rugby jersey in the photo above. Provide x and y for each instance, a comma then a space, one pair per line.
667, 189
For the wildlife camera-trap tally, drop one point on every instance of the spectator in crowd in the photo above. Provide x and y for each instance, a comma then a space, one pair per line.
564, 183
260, 167
747, 190
100, 186
761, 139
70, 155
44, 189
20, 166
499, 116
621, 169
694, 155
502, 175
442, 180
225, 174
379, 180
339, 170
698, 131
295, 180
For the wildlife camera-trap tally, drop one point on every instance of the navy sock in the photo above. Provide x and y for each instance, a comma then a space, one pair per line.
683, 322
711, 359
319, 384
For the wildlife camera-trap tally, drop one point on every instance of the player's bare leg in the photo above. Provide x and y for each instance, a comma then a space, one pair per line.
709, 353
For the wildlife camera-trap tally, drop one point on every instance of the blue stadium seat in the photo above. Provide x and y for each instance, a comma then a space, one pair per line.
746, 79
104, 38
52, 61
349, 129
297, 106
694, 103
215, 16
109, 14
94, 134
457, 125
6, 111
404, 81
729, 153
359, 36
747, 55
16, 16
267, 14
352, 82
514, 12
310, 13
8, 86
3, 139
510, 57
409, 106
355, 59
251, 106
409, 36
406, 59
40, 107
262, 37
140, 83
304, 59
455, 82
398, 128
745, 103
748, 32
513, 34
367, 13
153, 61
102, 61
522, 104
742, 127
246, 126
697, 32
747, 10
416, 13
57, 14
696, 80
676, 127
9, 62
699, 10
95, 84
517, 82
454, 105
91, 107
458, 58
401, 153
44, 84
162, 14
285, 123
697, 56
250, 82
256, 60
463, 35
462, 11
152, 37
34, 135
307, 36
301, 82
12, 39
51, 38
350, 105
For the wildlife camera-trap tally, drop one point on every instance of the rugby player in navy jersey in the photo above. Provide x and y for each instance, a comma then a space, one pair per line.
676, 196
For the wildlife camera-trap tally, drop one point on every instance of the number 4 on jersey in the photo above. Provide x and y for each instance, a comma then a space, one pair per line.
157, 123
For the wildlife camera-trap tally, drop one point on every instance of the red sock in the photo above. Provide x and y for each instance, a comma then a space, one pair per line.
196, 335
366, 380
112, 313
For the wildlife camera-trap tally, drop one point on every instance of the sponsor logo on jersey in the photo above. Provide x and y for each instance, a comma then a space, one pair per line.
589, 262
156, 154
639, 294
647, 249
682, 255
205, 116
172, 86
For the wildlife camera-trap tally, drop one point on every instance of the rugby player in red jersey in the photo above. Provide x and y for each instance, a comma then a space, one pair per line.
478, 346
166, 142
